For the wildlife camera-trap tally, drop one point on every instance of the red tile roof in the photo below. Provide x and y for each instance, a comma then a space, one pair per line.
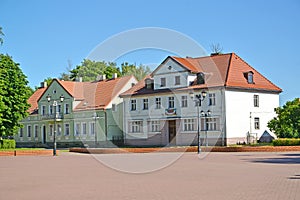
33, 100
92, 95
220, 70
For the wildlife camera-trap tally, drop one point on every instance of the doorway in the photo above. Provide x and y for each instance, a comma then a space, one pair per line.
172, 132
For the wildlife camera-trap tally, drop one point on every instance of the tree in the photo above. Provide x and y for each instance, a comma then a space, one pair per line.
139, 72
13, 97
89, 70
287, 122
216, 48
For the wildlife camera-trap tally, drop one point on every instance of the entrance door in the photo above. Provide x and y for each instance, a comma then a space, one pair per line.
44, 134
172, 132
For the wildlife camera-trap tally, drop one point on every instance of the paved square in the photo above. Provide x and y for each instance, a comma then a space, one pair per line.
216, 176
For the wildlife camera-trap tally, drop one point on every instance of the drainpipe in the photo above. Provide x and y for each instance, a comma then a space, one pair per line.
105, 123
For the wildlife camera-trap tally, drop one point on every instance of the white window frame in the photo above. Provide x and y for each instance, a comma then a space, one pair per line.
36, 131
67, 108
58, 129
211, 124
177, 80
67, 129
211, 99
43, 110
133, 105
136, 126
256, 100
51, 130
158, 103
184, 101
256, 123
189, 124
84, 128
163, 82
145, 104
51, 110
92, 128
29, 130
155, 126
77, 129
171, 102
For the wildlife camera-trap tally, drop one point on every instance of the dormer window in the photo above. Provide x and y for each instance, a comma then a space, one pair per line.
249, 77
149, 83
200, 78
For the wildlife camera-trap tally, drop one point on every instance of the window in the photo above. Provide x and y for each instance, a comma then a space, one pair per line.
136, 126
67, 108
58, 129
59, 108
250, 77
183, 101
50, 130
256, 100
92, 128
77, 129
162, 82
84, 128
113, 107
158, 103
43, 110
51, 109
28, 131
36, 128
133, 104
177, 80
212, 99
211, 124
155, 126
67, 129
171, 102
256, 123
21, 132
189, 124
145, 104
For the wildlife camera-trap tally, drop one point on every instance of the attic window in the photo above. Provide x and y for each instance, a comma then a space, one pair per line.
200, 78
249, 77
170, 67
149, 83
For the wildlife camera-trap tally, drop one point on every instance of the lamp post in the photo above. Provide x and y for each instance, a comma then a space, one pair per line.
198, 98
54, 104
95, 117
205, 115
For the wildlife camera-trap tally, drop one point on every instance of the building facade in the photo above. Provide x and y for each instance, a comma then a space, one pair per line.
163, 109
77, 113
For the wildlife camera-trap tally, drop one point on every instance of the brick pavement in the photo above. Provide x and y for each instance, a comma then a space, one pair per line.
216, 176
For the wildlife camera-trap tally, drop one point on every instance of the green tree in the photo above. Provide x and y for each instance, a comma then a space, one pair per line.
287, 122
139, 72
14, 95
89, 70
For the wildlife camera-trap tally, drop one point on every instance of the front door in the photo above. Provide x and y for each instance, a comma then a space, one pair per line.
44, 134
172, 132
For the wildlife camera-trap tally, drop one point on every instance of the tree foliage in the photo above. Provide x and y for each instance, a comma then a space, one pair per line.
287, 122
139, 72
14, 94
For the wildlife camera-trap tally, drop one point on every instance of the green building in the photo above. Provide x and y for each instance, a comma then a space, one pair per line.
76, 113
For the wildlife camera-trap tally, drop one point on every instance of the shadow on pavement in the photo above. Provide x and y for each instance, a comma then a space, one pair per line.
283, 159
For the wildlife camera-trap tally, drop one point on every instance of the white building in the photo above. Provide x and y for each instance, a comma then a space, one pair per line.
161, 109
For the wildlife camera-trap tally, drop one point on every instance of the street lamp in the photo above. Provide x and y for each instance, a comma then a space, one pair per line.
54, 104
205, 115
95, 117
198, 98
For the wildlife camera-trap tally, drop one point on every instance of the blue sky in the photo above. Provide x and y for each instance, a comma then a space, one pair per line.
43, 35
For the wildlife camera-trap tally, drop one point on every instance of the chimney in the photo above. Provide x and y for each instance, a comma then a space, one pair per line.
101, 77
43, 84
114, 75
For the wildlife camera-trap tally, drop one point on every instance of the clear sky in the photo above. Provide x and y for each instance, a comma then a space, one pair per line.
44, 36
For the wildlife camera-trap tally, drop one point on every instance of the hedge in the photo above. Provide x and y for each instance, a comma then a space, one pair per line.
287, 142
7, 144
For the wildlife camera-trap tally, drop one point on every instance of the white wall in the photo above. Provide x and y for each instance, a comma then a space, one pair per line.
239, 105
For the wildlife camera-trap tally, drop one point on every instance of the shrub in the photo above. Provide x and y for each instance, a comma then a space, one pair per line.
286, 142
7, 144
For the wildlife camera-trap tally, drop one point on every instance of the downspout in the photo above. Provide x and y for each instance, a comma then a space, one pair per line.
105, 123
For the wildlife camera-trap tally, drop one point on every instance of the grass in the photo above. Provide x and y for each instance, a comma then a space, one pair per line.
21, 149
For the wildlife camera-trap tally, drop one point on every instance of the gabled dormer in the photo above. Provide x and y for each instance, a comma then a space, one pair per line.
249, 77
